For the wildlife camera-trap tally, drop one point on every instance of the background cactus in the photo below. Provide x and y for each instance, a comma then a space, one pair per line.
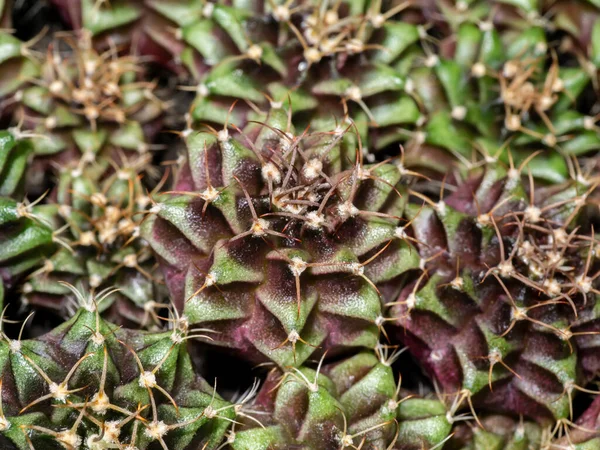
367, 224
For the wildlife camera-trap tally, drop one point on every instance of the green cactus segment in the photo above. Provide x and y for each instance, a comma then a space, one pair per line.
14, 154
423, 422
500, 433
25, 239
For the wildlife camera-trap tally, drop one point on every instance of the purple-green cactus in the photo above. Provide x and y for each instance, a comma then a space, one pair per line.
274, 239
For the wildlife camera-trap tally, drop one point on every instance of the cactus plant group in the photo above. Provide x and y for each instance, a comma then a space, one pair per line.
299, 224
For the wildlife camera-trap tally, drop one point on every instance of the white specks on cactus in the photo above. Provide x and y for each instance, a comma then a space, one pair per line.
97, 338
223, 135
56, 87
312, 169
98, 199
510, 69
297, 266
142, 201
354, 46
513, 174
560, 236
281, 13
27, 288
478, 70
211, 279
486, 25
254, 52
124, 174
58, 391
331, 17
231, 437
564, 334
377, 20
69, 439
459, 112
506, 269
208, 9
210, 194
202, 90
89, 66
362, 173
88, 157
356, 269
259, 227
130, 260
512, 122
432, 60
18, 96
589, 122
533, 214
271, 173
347, 441
312, 55
91, 113
50, 122
483, 220
518, 313
100, 403
147, 380
293, 337
584, 283
545, 102
111, 89
541, 47
419, 137
552, 287
400, 233
440, 207
4, 423
457, 283
347, 209
411, 301
353, 93
14, 345
47, 267
156, 429
87, 238
550, 140
461, 5
436, 355
329, 46
315, 220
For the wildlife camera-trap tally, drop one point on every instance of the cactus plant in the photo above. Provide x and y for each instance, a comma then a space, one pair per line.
368, 225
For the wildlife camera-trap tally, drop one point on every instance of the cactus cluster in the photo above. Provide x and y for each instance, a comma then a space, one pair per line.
388, 209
